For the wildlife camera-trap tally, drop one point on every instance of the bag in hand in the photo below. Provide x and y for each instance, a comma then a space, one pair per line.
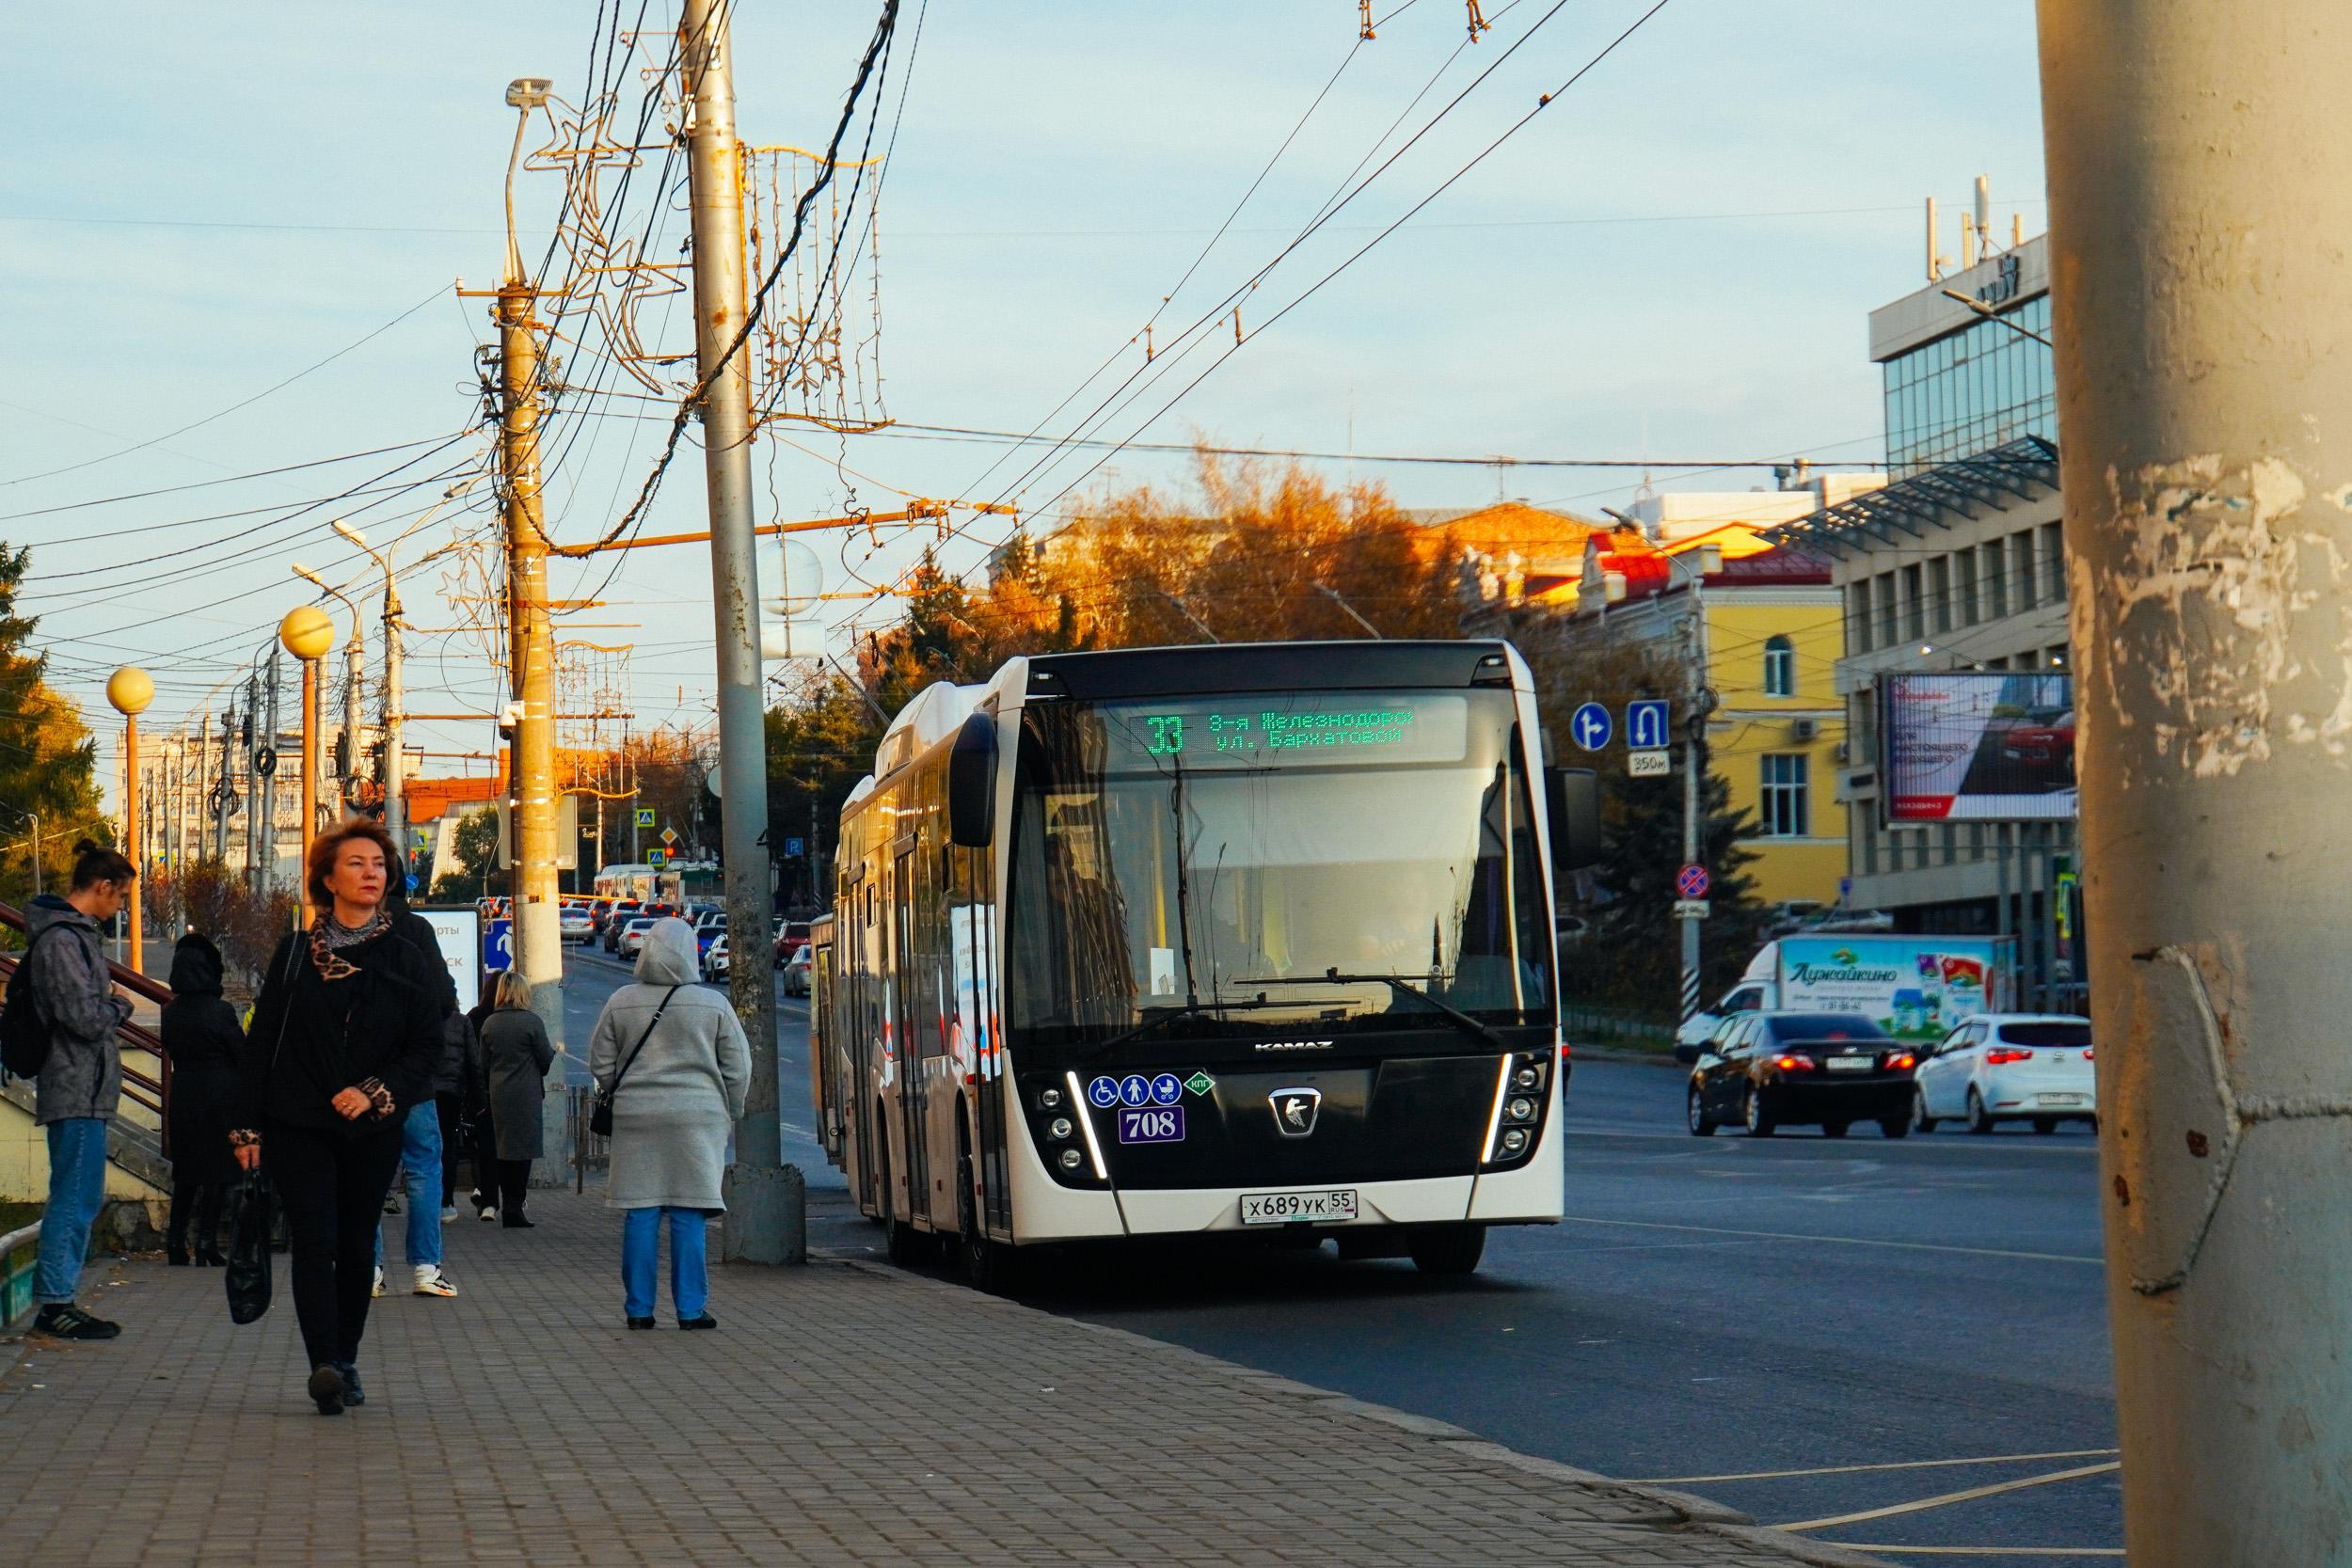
248, 1274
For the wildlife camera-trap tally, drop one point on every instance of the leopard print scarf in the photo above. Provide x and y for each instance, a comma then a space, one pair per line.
327, 934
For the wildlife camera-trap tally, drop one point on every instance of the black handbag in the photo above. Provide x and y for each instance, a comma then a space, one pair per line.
247, 1278
600, 1119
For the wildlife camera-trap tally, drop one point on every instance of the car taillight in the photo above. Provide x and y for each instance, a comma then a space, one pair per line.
1902, 1061
1999, 1056
1794, 1062
2088, 1053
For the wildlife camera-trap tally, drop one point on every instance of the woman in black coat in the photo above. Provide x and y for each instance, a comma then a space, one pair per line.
204, 1042
346, 1039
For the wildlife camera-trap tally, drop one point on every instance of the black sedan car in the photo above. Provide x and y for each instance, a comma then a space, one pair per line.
1767, 1070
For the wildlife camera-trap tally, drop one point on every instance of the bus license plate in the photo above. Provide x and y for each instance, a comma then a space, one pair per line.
1325, 1206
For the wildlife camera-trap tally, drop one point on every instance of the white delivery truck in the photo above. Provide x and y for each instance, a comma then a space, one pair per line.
1914, 987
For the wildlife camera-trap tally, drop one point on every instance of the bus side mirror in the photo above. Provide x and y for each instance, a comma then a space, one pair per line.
972, 784
1574, 800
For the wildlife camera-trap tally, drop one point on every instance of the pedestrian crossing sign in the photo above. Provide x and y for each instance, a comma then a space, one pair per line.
657, 856
644, 817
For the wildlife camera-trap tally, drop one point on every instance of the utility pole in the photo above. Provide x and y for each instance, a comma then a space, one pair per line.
253, 812
268, 790
1696, 704
766, 1219
538, 941
2199, 291
223, 787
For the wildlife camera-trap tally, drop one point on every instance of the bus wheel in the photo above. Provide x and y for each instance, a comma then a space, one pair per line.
902, 1243
991, 1266
1448, 1249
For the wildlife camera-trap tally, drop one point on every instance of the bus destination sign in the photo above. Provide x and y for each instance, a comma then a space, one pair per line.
1297, 730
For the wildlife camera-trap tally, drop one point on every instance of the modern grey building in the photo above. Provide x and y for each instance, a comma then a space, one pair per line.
1958, 565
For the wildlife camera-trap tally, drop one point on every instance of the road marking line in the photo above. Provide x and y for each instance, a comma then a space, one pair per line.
1947, 1498
1905, 1464
1839, 1240
1978, 1551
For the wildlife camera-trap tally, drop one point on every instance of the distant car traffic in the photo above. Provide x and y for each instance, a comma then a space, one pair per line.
790, 934
633, 937
1766, 1070
2009, 1066
715, 959
796, 971
574, 924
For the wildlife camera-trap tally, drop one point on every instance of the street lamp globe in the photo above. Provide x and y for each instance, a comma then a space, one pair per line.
130, 689
306, 632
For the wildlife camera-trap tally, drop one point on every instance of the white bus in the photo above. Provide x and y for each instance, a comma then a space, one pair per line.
1222, 939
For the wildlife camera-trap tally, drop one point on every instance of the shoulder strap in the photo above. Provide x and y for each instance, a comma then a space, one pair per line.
642, 1039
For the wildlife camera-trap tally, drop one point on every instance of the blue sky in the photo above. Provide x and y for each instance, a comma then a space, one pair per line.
1675, 259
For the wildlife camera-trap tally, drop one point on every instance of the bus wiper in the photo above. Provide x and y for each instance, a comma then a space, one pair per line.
1453, 1014
1194, 1008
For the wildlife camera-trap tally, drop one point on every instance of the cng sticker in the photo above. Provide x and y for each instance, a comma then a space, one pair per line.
1200, 1083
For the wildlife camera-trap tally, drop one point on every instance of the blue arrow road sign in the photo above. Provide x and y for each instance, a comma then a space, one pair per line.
498, 945
1590, 727
1646, 724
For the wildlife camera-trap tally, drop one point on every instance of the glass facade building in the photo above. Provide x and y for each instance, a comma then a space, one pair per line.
1969, 391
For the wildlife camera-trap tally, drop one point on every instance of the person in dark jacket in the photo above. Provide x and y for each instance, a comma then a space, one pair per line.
421, 1151
203, 1043
515, 1046
344, 1040
82, 1080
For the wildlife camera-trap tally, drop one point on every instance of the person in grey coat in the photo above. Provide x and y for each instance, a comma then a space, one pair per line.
81, 1082
679, 1069
517, 1052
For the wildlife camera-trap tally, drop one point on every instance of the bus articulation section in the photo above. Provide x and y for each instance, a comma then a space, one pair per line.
1225, 939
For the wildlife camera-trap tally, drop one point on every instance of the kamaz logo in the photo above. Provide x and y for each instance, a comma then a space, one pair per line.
1291, 1045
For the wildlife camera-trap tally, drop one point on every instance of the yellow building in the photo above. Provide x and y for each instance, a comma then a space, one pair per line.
1770, 629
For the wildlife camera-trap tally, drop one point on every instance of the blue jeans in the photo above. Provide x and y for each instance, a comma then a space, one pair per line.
420, 1152
690, 1262
77, 1185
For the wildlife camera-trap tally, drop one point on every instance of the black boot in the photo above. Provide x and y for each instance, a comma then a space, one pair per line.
208, 1202
176, 1233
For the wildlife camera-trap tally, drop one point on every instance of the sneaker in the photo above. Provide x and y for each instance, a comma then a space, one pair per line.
488, 1213
391, 1203
431, 1281
353, 1393
378, 1288
449, 1212
65, 1321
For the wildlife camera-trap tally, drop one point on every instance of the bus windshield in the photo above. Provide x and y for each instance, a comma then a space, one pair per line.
1226, 856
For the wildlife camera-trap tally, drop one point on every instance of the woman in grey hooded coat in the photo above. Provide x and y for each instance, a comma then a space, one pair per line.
682, 1069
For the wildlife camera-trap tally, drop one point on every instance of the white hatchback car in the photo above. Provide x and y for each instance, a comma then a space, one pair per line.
2009, 1066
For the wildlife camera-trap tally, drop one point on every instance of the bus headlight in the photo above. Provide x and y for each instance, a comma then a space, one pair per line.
1528, 1077
1520, 1109
1058, 1128
1514, 1140
1071, 1160
1050, 1099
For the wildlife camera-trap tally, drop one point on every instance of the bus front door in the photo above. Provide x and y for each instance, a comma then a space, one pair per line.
906, 1047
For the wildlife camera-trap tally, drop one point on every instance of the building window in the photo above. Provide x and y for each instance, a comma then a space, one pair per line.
2052, 564
1890, 633
1967, 559
1995, 554
1858, 616
1786, 808
1940, 592
1780, 667
1914, 611
2020, 562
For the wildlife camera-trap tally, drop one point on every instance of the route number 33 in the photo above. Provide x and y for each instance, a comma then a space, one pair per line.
1168, 734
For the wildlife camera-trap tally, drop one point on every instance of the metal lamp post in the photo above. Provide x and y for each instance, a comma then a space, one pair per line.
354, 668
307, 633
130, 691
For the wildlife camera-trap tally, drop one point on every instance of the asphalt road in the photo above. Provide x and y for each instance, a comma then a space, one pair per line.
1876, 1315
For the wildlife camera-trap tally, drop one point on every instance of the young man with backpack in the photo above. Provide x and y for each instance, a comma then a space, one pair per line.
62, 1008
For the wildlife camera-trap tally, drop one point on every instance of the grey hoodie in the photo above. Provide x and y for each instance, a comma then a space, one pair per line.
82, 1076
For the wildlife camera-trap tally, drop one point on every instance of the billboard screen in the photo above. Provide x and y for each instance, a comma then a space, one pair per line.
1978, 747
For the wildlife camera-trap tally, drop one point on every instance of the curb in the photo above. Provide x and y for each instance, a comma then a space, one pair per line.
1676, 1510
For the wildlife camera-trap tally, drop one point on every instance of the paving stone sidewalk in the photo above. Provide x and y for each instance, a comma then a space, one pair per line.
844, 1414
